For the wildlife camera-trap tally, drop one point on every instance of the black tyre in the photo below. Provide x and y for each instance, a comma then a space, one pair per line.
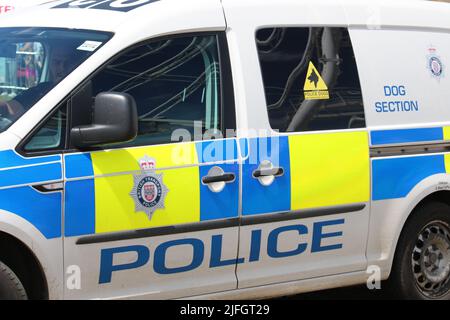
10, 286
421, 269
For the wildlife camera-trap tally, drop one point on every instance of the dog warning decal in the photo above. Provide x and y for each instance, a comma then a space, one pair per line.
315, 88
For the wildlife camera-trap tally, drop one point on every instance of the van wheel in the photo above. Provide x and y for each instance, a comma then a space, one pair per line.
421, 267
10, 286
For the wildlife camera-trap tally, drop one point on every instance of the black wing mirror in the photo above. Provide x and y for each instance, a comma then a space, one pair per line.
115, 120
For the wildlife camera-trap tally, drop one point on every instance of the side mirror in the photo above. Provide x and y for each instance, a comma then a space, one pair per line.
115, 120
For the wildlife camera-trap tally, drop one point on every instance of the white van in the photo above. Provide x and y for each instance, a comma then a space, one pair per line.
162, 149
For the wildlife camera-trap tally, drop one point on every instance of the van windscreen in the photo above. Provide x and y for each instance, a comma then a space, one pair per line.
34, 60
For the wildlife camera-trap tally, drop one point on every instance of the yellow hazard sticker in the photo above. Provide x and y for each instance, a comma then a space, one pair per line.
315, 87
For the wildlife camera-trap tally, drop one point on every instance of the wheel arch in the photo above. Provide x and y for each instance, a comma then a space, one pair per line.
409, 276
42, 256
442, 196
389, 218
24, 263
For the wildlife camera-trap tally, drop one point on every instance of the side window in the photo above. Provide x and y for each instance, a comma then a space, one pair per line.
310, 79
175, 82
51, 136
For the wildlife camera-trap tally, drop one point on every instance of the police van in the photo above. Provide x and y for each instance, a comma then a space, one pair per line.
206, 149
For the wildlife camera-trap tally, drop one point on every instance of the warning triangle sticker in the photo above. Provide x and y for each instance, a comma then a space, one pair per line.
313, 79
314, 87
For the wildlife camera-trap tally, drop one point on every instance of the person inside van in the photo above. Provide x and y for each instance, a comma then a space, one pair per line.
59, 64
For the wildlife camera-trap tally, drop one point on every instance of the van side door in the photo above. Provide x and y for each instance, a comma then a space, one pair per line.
306, 178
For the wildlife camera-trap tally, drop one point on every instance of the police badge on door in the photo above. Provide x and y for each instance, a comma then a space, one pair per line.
149, 191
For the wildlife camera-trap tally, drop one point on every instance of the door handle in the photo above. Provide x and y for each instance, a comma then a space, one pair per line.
276, 172
266, 173
216, 179
226, 177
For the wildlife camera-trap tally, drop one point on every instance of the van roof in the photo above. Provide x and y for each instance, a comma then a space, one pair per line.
88, 14
108, 15
102, 15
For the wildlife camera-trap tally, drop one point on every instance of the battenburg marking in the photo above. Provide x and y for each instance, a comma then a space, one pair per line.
149, 191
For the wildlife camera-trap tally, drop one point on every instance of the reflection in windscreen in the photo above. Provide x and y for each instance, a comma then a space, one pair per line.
34, 60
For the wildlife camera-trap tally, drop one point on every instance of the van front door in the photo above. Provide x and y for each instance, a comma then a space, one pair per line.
158, 217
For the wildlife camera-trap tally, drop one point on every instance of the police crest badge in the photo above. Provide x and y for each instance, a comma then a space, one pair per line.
435, 64
149, 191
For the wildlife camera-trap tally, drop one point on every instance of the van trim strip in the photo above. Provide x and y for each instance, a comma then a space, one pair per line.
220, 224
159, 231
409, 149
301, 214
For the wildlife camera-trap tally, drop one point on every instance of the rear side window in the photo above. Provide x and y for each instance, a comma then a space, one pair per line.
311, 80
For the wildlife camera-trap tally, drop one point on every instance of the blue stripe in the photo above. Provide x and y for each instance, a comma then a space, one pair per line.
223, 204
395, 178
216, 150
256, 198
79, 208
9, 158
220, 205
406, 135
28, 175
78, 165
41, 210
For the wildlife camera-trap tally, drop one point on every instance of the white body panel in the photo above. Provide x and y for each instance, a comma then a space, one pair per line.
379, 53
308, 264
144, 281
